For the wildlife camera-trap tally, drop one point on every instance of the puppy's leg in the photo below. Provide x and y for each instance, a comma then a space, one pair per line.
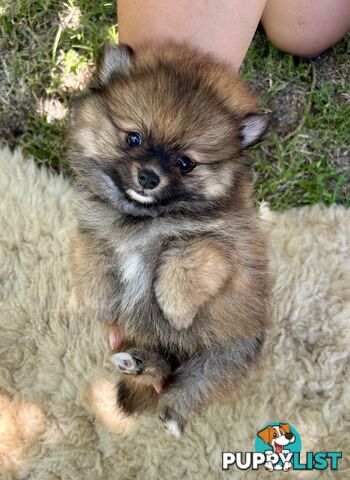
145, 367
215, 374
189, 274
134, 398
93, 278
143, 374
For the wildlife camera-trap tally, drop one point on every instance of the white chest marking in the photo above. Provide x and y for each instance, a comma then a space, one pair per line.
131, 266
136, 278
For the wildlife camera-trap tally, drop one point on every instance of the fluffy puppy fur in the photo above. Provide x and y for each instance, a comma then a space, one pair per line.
170, 248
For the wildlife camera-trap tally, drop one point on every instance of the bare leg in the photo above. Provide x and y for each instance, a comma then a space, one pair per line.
306, 28
223, 28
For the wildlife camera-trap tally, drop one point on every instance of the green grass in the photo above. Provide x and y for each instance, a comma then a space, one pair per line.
314, 164
44, 59
45, 56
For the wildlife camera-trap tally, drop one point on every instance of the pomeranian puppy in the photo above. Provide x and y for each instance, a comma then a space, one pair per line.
170, 249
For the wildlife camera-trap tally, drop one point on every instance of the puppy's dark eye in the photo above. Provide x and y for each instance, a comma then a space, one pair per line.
185, 164
133, 139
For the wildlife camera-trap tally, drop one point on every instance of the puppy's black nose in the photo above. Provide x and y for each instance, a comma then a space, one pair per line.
148, 179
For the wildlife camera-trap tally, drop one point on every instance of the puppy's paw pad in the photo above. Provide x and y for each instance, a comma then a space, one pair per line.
127, 363
172, 428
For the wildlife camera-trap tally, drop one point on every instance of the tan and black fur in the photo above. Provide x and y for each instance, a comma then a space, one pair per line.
181, 268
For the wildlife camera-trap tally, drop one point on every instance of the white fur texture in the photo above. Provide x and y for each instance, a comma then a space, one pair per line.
57, 413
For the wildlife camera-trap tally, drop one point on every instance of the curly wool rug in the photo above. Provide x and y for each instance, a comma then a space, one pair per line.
58, 418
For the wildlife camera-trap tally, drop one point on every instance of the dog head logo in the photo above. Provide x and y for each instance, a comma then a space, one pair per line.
279, 441
278, 436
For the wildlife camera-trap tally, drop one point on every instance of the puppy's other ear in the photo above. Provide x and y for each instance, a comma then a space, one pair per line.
252, 128
114, 60
285, 427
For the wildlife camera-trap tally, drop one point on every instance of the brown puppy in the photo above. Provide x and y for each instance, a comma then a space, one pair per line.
170, 247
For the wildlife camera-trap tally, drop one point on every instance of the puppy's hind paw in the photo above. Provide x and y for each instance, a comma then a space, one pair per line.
128, 362
172, 423
172, 428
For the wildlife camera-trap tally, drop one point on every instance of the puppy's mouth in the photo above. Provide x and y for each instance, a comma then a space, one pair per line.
278, 447
139, 197
128, 193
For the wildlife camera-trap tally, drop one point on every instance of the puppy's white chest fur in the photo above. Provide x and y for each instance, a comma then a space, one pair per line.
136, 273
131, 267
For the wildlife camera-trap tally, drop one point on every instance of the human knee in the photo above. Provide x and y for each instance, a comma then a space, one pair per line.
295, 44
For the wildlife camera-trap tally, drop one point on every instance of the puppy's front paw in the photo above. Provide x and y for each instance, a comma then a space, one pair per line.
268, 466
287, 466
129, 362
173, 422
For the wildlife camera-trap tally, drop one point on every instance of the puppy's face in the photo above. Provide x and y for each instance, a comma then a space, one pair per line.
157, 131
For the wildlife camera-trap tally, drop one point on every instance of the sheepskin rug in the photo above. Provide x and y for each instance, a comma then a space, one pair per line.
58, 418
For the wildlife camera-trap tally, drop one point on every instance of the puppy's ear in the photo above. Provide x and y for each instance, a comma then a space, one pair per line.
252, 128
114, 60
266, 435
